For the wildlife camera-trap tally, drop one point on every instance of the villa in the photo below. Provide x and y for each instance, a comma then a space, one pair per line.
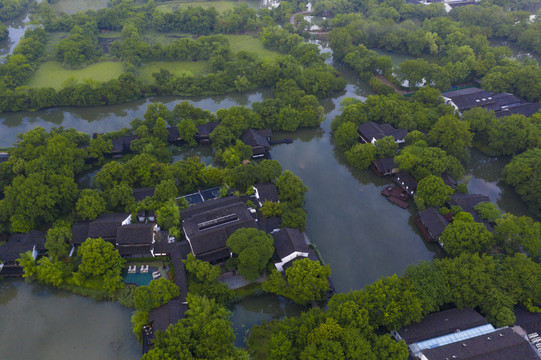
370, 132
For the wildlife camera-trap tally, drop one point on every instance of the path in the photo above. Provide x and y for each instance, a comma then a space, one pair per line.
387, 82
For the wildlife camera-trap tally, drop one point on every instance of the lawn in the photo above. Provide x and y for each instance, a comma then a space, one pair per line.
73, 6
251, 44
219, 5
52, 74
174, 67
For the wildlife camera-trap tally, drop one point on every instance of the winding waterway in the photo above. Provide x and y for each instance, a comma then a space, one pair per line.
359, 234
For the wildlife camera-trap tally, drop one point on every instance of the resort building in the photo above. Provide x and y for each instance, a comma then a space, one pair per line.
136, 240
467, 202
265, 192
105, 227
290, 245
370, 132
464, 334
406, 182
208, 225
203, 132
503, 104
259, 140
17, 244
431, 224
384, 167
121, 145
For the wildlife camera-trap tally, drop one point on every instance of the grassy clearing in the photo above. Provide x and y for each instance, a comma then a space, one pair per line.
220, 6
174, 67
251, 44
73, 6
52, 74
52, 40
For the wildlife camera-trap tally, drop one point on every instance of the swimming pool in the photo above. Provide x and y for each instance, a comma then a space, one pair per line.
139, 278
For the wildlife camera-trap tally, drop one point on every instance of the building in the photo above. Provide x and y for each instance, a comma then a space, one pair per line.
105, 227
463, 334
265, 192
406, 182
503, 104
16, 245
121, 145
449, 180
203, 132
160, 318
208, 225
136, 240
468, 202
290, 245
259, 140
384, 167
4, 156
431, 224
173, 135
370, 132
140, 194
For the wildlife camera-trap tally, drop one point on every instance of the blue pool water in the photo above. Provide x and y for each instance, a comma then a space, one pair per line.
139, 279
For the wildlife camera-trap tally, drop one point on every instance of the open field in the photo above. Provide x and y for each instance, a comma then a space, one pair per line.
73, 6
52, 74
175, 67
251, 44
219, 5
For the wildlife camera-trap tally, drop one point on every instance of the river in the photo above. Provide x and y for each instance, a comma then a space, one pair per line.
359, 234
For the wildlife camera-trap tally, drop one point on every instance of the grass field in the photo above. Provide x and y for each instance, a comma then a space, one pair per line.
251, 44
175, 67
52, 74
219, 5
73, 6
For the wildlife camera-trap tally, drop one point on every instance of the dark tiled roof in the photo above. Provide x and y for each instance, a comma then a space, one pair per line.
256, 138
433, 221
4, 156
267, 225
370, 130
79, 232
134, 251
468, 201
134, 234
139, 194
311, 255
21, 243
162, 244
123, 143
384, 166
180, 270
210, 223
449, 180
105, 226
172, 133
287, 241
267, 192
408, 180
530, 322
526, 109
205, 129
167, 314
441, 323
504, 344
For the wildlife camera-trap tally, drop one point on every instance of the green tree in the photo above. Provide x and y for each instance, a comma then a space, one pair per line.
90, 204
138, 320
187, 131
432, 191
291, 189
514, 233
99, 147
100, 260
58, 240
254, 249
452, 135
168, 215
268, 170
465, 236
28, 263
165, 191
346, 136
293, 217
206, 280
360, 156
157, 293
523, 174
488, 211
386, 147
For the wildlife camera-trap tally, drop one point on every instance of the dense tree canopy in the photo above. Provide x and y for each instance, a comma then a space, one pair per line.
254, 249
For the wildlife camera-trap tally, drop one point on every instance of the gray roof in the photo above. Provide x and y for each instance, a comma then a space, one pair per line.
369, 130
209, 224
287, 241
503, 344
467, 202
433, 221
407, 179
21, 243
267, 192
123, 143
139, 194
441, 323
105, 226
205, 129
134, 234
167, 314
384, 166
257, 138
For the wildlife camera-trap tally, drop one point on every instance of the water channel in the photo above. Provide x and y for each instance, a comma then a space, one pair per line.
359, 234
